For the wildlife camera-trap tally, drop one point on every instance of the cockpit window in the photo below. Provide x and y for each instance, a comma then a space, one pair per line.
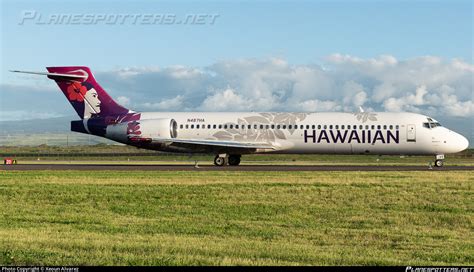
431, 123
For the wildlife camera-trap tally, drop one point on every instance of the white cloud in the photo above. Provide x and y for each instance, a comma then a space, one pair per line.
17, 115
174, 104
426, 84
123, 100
317, 105
226, 100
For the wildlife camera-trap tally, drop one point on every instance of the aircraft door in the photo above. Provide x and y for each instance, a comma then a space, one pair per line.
411, 133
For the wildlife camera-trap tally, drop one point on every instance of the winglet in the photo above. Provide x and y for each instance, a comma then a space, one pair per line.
361, 109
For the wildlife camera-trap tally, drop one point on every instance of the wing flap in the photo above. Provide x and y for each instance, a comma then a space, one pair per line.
216, 143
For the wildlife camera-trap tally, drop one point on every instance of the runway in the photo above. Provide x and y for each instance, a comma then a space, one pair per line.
189, 167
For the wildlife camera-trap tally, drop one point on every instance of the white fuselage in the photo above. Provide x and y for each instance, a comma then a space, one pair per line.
320, 133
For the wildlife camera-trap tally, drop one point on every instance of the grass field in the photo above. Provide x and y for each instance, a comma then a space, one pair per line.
236, 218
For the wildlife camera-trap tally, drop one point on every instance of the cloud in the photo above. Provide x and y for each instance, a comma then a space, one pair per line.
166, 104
123, 100
224, 101
426, 84
18, 115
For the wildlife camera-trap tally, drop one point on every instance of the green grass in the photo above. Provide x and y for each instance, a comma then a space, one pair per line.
236, 218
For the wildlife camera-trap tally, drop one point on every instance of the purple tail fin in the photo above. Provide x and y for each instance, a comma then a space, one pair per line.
84, 93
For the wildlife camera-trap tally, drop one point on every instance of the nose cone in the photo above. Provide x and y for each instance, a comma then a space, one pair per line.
453, 143
462, 143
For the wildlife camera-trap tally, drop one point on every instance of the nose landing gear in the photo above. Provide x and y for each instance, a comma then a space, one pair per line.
439, 161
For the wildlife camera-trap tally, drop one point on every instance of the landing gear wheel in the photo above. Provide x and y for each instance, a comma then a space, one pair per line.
234, 159
219, 161
439, 163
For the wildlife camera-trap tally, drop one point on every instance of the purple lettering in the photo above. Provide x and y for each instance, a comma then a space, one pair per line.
323, 135
378, 136
394, 137
306, 136
355, 136
338, 136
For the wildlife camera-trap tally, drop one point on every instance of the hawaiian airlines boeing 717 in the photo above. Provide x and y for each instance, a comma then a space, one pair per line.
229, 135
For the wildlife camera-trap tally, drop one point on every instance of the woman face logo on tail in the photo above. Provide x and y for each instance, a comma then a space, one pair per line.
85, 95
92, 99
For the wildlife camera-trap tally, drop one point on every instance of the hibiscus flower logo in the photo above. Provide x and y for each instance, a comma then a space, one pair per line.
76, 92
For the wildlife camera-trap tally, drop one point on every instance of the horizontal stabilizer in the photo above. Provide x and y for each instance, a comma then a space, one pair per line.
53, 75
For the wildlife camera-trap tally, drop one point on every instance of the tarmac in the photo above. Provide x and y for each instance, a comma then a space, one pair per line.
190, 167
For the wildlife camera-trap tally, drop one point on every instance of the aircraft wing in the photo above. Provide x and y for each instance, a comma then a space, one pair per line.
214, 145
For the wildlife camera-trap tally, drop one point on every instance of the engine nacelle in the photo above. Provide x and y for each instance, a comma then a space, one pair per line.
143, 130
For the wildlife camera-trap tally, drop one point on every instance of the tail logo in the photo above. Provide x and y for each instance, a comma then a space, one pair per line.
84, 94
76, 91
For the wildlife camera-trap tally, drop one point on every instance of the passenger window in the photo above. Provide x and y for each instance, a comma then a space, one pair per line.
397, 127
249, 126
214, 126
307, 126
325, 127
192, 126
384, 126
366, 126
319, 126
273, 126
187, 126
220, 126
301, 126
231, 126
379, 127
330, 126
255, 126
181, 126
313, 126
208, 126
261, 126
290, 126
283, 127
197, 126
225, 126
267, 126
390, 127
361, 127
278, 126
342, 126
236, 126
337, 126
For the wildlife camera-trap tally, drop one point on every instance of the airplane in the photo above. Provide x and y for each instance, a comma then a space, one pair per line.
229, 135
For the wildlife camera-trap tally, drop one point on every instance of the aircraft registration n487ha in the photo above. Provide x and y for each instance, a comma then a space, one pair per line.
229, 135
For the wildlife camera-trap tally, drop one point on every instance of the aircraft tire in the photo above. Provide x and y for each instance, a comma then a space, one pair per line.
219, 161
234, 160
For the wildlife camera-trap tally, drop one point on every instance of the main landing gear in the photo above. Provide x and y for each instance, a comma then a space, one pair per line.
224, 159
439, 161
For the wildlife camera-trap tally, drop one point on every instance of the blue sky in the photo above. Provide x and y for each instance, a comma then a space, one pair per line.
257, 55
300, 32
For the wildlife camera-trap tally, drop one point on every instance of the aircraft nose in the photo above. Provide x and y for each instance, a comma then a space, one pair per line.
462, 143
